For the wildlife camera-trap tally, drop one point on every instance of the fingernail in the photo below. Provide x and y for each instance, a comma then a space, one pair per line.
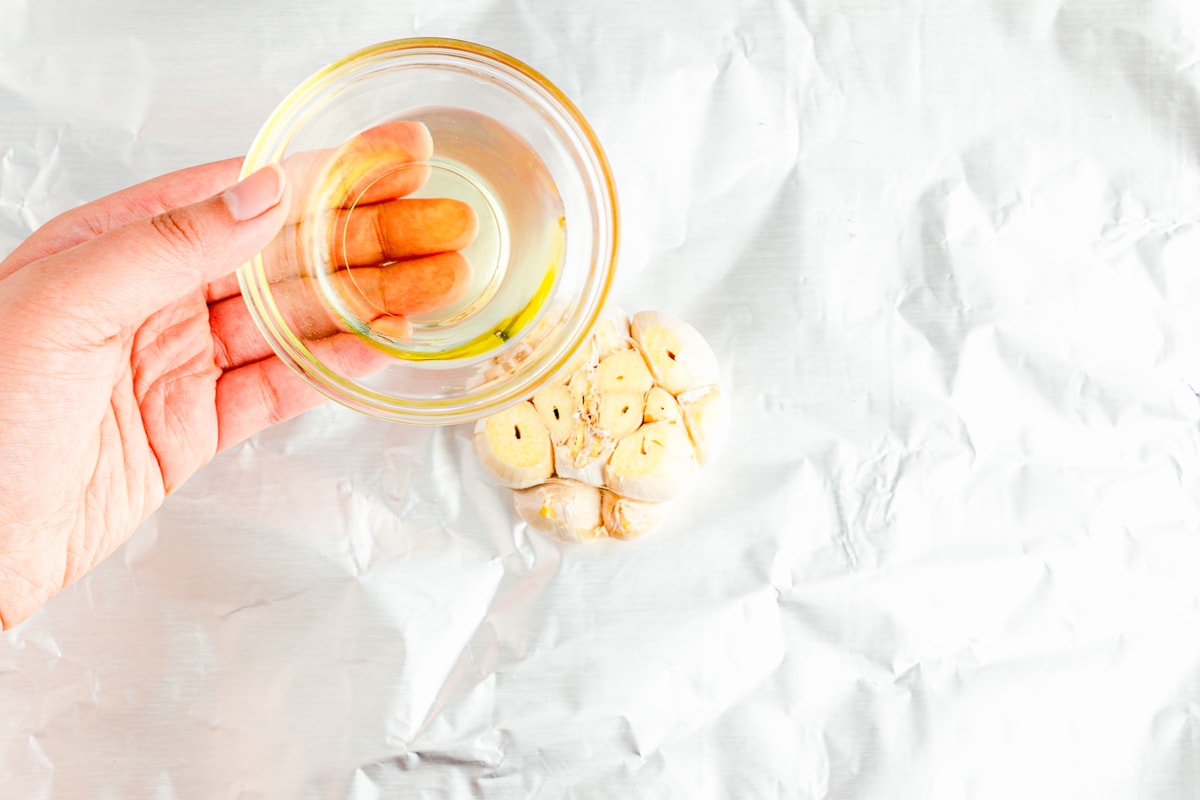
255, 194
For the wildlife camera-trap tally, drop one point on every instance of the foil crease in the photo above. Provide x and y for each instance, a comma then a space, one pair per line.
948, 255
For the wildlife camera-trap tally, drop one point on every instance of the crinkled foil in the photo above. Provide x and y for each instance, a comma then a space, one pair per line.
948, 255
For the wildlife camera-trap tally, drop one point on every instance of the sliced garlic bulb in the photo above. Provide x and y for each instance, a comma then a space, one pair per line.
601, 450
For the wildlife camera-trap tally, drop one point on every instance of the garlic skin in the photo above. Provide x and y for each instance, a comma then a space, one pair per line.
584, 455
707, 415
604, 449
629, 519
563, 509
611, 334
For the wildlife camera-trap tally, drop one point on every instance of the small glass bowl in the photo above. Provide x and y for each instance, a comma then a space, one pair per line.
505, 141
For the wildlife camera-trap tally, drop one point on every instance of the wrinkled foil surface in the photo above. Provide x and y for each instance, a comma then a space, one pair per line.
948, 255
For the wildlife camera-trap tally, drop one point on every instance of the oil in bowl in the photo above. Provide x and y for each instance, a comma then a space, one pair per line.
507, 144
515, 256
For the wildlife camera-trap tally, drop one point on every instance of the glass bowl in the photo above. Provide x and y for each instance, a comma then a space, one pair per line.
530, 283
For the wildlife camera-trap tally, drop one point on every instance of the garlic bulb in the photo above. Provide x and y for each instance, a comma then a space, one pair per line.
603, 450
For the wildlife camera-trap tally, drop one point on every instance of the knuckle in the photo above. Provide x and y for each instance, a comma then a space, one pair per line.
94, 222
80, 224
273, 400
222, 357
179, 231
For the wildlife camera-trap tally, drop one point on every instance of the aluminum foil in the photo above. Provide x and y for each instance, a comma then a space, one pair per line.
948, 255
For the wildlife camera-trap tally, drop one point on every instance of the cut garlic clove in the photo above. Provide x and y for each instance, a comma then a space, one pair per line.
661, 406
619, 414
655, 463
628, 519
564, 509
679, 357
556, 405
706, 413
580, 386
624, 371
514, 445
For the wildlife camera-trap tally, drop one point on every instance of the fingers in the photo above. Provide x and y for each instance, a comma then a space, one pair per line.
256, 396
376, 156
375, 234
383, 232
406, 288
143, 201
117, 280
372, 164
378, 295
258, 390
237, 340
370, 170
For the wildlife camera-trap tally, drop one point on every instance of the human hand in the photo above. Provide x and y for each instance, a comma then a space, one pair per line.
128, 358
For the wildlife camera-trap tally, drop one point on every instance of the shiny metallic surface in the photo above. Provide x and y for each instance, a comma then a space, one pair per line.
948, 254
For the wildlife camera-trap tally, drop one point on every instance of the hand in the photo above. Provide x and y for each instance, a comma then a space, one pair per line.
128, 358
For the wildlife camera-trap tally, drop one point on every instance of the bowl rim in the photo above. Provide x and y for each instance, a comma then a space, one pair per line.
268, 147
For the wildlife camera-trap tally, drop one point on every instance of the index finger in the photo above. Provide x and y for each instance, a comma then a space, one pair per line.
384, 149
380, 157
143, 201
380, 164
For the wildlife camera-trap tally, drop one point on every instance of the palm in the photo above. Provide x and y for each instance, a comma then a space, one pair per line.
100, 419
172, 382
121, 425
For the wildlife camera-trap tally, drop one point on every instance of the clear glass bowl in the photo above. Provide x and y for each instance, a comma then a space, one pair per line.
506, 142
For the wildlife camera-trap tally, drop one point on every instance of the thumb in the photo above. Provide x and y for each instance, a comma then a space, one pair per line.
120, 278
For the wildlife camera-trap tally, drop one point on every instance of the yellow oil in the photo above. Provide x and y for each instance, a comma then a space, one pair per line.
504, 330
